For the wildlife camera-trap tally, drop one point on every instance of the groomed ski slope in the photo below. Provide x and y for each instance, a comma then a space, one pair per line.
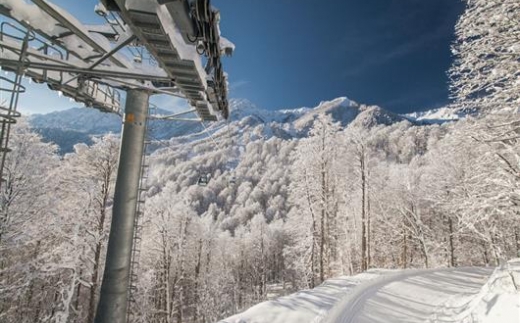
462, 295
414, 296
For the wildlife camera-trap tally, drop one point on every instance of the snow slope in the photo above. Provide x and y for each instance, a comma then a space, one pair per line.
414, 296
500, 299
307, 305
463, 295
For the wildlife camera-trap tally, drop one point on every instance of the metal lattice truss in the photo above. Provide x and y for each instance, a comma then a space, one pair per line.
175, 48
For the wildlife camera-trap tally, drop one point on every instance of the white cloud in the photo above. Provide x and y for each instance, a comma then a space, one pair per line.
233, 86
170, 103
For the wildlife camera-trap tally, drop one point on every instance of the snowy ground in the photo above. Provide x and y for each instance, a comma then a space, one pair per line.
500, 300
463, 295
307, 305
414, 296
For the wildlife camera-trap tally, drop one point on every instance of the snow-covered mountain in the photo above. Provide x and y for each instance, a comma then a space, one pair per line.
440, 115
342, 110
444, 114
76, 125
82, 120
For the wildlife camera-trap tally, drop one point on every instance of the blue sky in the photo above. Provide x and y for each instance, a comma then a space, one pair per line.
294, 53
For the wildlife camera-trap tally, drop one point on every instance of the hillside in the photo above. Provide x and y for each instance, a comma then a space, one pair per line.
264, 200
293, 197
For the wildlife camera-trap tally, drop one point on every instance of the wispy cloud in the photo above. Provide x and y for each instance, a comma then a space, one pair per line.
394, 34
170, 103
378, 58
233, 86
416, 101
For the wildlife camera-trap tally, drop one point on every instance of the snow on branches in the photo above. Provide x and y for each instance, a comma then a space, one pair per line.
486, 72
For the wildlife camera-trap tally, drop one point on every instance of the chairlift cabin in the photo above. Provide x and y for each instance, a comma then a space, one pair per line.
203, 180
233, 180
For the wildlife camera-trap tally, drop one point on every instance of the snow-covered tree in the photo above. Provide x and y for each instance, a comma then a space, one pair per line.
314, 188
26, 176
281, 211
25, 216
486, 72
89, 173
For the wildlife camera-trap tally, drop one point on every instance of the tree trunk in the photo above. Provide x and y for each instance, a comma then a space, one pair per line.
494, 243
322, 229
165, 298
485, 253
405, 248
240, 283
323, 207
517, 242
368, 220
6, 200
197, 277
105, 191
263, 283
38, 309
364, 262
313, 240
453, 262
94, 283
424, 252
32, 285
182, 278
78, 294
55, 300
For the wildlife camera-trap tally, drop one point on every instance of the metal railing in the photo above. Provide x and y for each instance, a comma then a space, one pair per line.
8, 109
89, 92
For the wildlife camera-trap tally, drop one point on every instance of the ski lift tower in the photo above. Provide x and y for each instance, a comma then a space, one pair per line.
175, 48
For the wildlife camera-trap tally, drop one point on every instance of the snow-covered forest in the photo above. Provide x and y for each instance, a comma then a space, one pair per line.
293, 197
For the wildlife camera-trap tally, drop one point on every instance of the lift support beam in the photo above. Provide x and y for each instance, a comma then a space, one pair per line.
112, 306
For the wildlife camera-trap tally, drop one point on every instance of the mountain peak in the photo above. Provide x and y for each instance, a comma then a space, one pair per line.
342, 101
372, 115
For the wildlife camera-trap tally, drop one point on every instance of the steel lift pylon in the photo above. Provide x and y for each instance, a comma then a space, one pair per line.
184, 47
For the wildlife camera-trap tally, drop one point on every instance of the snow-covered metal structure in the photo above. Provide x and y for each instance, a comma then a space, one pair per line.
71, 57
175, 48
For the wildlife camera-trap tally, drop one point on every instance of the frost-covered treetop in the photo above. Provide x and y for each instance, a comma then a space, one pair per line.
487, 66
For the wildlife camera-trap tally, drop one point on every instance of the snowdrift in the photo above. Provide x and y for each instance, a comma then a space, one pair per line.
498, 300
310, 305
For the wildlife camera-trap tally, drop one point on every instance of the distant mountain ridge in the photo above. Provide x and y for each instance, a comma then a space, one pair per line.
76, 125
439, 115
84, 120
